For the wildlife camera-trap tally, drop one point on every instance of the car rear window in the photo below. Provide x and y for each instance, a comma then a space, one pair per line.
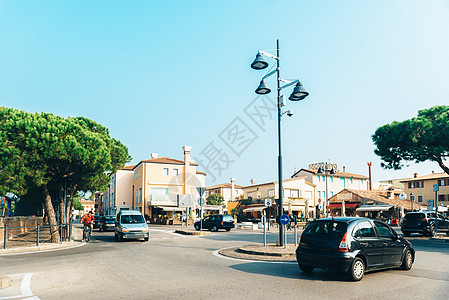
411, 217
227, 218
326, 228
110, 219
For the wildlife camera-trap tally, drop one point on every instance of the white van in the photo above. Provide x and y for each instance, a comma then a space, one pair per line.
130, 224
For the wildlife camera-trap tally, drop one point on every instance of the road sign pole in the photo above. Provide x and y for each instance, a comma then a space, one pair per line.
285, 236
436, 213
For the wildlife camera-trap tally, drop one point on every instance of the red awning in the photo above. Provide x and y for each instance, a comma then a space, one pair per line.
347, 205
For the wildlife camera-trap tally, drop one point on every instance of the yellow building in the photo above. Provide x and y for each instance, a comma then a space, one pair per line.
161, 183
419, 189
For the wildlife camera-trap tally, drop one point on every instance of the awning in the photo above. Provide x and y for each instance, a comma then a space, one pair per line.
347, 205
374, 208
257, 208
171, 208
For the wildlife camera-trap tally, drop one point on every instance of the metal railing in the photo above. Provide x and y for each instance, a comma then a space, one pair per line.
25, 235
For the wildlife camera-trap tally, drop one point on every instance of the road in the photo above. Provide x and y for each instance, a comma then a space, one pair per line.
173, 266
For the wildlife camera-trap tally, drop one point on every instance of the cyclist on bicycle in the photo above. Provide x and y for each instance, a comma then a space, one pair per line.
88, 220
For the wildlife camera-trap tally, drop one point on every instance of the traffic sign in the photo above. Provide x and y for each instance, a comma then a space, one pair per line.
436, 187
285, 219
402, 196
268, 202
429, 204
201, 201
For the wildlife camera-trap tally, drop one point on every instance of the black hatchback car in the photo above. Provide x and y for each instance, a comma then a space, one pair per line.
424, 223
215, 222
352, 245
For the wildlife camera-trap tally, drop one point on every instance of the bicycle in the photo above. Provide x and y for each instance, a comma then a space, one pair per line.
87, 233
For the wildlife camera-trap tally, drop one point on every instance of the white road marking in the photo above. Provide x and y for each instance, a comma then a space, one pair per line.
25, 287
169, 232
217, 254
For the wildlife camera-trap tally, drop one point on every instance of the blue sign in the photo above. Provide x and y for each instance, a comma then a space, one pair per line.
285, 219
436, 187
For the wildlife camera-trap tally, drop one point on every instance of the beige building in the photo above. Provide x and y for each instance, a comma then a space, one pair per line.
160, 184
119, 195
231, 192
298, 195
419, 189
335, 182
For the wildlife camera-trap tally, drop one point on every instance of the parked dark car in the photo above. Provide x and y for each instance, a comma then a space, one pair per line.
424, 223
97, 221
215, 222
353, 246
107, 223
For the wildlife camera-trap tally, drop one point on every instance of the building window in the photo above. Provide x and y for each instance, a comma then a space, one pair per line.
420, 198
441, 182
270, 193
159, 191
342, 182
319, 194
139, 173
332, 178
441, 198
135, 174
165, 171
175, 172
318, 177
250, 195
412, 198
324, 194
139, 195
419, 184
411, 185
294, 193
361, 181
350, 180
332, 193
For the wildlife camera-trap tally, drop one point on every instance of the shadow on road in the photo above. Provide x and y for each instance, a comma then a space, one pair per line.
290, 271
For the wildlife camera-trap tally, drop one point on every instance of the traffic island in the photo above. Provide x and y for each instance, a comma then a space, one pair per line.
4, 282
192, 232
260, 253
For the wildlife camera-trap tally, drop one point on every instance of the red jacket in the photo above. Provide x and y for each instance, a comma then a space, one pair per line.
87, 219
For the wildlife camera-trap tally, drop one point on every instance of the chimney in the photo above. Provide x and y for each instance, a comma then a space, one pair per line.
415, 175
433, 172
186, 150
232, 188
154, 155
370, 179
344, 169
253, 181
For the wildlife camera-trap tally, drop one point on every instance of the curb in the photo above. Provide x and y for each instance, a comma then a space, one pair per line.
4, 282
270, 250
191, 232
43, 248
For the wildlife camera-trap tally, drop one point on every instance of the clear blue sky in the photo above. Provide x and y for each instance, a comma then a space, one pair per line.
163, 74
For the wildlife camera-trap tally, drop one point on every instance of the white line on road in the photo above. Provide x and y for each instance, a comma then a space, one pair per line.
169, 232
217, 254
25, 287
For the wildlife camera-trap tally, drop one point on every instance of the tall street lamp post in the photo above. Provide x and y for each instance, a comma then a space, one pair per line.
326, 168
298, 94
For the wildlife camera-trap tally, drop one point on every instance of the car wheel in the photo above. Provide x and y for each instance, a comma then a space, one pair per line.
306, 268
197, 227
357, 269
447, 233
146, 239
406, 234
116, 236
214, 229
228, 229
407, 261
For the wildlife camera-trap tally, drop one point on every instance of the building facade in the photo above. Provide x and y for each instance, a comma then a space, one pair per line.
298, 196
119, 195
419, 189
231, 192
162, 186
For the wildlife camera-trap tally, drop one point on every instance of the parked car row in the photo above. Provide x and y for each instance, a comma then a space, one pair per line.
424, 223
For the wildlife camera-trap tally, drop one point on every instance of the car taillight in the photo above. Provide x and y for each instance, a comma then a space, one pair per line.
221, 222
343, 245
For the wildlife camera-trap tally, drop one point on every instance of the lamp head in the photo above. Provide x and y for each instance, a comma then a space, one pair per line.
262, 89
299, 92
259, 63
333, 171
320, 170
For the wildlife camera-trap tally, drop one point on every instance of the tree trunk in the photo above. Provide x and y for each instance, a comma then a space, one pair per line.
50, 212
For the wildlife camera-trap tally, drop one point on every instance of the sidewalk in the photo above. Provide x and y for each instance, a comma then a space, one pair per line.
260, 253
26, 242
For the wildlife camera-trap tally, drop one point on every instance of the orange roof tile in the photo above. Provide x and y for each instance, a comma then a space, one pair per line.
427, 177
166, 160
224, 185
